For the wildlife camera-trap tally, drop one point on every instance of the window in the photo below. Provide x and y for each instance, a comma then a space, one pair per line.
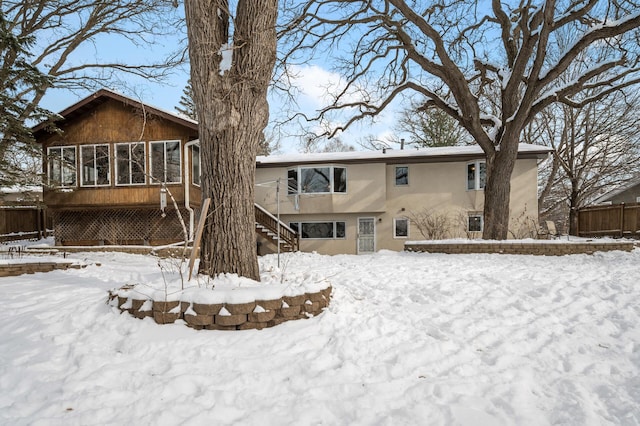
305, 180
130, 164
402, 175
195, 165
95, 165
476, 175
319, 230
475, 223
165, 162
62, 165
400, 227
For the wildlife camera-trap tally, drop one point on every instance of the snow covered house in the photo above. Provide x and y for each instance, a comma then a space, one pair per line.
360, 202
114, 162
109, 167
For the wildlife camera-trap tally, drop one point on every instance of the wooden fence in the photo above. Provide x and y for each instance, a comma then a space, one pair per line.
620, 220
18, 223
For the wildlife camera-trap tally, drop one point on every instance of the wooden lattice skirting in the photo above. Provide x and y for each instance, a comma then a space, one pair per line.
118, 226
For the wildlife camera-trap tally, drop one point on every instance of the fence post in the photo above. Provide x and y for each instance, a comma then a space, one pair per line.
622, 219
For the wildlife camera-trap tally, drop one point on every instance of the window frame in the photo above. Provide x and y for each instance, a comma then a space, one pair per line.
395, 227
395, 169
130, 162
478, 175
61, 165
475, 215
152, 178
95, 183
297, 226
297, 190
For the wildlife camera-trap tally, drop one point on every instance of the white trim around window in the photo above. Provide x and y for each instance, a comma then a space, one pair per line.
61, 166
476, 175
320, 230
131, 168
400, 227
317, 180
165, 161
475, 222
95, 161
401, 175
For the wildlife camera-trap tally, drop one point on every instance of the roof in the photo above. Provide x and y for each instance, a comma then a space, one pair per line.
102, 96
617, 191
393, 156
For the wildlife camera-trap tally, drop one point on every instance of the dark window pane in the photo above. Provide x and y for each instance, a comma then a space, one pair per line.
122, 165
173, 161
292, 181
471, 176
401, 228
402, 175
195, 153
340, 229
315, 180
483, 175
317, 230
339, 179
294, 226
69, 166
157, 162
102, 164
138, 173
88, 165
475, 223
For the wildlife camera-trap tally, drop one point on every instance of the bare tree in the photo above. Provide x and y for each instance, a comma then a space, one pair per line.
487, 68
232, 54
595, 148
428, 126
59, 35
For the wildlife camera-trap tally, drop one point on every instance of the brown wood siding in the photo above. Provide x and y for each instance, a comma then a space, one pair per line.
113, 122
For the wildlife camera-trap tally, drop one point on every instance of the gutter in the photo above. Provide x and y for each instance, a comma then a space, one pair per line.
187, 184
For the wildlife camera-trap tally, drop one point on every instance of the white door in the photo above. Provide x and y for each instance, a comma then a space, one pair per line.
366, 235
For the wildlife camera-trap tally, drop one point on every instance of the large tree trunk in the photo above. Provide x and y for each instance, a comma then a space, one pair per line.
573, 208
497, 191
233, 112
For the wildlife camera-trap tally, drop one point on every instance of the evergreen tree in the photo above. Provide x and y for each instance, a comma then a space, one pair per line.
186, 105
15, 136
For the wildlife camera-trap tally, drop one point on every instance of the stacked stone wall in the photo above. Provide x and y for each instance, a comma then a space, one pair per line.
15, 269
540, 249
258, 314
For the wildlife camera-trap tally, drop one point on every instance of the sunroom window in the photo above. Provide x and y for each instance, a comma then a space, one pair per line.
476, 175
95, 165
319, 230
165, 162
130, 164
307, 180
61, 162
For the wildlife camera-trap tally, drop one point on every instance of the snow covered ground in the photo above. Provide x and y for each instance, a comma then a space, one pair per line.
408, 339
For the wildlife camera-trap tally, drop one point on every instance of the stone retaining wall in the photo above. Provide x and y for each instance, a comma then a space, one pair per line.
227, 316
15, 269
541, 249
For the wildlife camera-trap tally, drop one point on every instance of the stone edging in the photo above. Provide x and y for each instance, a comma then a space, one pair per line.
15, 269
226, 316
540, 249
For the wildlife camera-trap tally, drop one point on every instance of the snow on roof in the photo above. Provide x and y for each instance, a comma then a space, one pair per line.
16, 189
392, 154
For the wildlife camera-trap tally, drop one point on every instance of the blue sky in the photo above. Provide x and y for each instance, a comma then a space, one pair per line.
312, 82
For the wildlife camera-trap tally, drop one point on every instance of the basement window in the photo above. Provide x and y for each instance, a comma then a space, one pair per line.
476, 223
319, 230
400, 227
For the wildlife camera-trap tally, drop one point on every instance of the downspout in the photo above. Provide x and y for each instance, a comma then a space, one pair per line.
187, 184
